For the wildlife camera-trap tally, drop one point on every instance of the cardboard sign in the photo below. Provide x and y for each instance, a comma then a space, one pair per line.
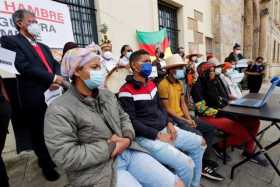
7, 63
243, 63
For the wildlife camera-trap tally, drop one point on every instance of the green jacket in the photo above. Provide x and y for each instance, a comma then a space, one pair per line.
76, 136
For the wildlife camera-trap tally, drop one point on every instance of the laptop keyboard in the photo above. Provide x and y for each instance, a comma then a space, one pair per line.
250, 102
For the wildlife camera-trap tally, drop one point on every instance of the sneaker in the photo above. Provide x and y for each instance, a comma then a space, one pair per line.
258, 159
50, 174
210, 173
211, 163
220, 154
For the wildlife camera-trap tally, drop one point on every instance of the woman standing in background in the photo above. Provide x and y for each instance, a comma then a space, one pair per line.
255, 73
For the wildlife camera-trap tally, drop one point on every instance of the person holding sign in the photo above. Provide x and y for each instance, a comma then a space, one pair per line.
39, 71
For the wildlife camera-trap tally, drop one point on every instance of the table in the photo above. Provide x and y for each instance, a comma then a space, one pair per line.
269, 112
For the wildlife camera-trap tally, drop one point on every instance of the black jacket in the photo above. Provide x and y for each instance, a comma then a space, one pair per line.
34, 78
142, 103
212, 91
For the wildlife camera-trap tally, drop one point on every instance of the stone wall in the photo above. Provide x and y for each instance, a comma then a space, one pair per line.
227, 25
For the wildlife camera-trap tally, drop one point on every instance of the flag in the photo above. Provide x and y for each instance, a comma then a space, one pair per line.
149, 41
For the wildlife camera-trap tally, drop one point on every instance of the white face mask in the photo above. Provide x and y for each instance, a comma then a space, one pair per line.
128, 54
218, 71
237, 51
194, 59
229, 71
34, 29
107, 55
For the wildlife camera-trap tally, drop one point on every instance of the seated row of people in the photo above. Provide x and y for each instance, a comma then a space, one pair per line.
103, 141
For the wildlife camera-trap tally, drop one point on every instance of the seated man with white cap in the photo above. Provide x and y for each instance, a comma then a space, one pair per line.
89, 135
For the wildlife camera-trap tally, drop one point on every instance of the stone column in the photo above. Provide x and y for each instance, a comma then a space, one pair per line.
216, 28
248, 28
256, 24
263, 32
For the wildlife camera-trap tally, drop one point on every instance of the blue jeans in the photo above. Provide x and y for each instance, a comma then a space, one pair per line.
137, 169
187, 167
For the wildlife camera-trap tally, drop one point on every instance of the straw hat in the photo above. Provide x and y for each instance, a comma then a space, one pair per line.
194, 53
116, 79
215, 61
174, 61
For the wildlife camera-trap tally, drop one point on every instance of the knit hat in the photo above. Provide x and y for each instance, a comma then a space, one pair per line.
227, 65
203, 67
77, 57
94, 48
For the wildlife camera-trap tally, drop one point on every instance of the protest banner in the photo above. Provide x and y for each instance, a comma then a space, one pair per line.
53, 17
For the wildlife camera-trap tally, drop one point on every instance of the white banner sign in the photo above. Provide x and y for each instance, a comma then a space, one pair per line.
7, 62
53, 17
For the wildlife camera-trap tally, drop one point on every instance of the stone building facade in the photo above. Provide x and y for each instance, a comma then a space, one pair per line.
227, 25
254, 24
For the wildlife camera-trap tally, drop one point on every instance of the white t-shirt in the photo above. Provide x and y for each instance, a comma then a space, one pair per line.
124, 61
109, 64
233, 87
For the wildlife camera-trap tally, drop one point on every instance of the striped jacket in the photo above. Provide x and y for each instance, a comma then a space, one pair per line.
142, 104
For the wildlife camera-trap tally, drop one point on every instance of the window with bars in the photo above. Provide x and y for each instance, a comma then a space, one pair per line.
168, 20
83, 18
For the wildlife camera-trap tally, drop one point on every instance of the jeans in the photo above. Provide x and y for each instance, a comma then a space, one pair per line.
203, 129
187, 167
137, 169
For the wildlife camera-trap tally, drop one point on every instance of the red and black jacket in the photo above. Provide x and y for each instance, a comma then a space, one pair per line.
142, 103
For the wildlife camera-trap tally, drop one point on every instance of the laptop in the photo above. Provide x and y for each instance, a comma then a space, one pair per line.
254, 103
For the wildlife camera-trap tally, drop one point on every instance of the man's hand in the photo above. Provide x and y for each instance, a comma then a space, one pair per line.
164, 137
58, 79
121, 144
171, 130
191, 123
54, 86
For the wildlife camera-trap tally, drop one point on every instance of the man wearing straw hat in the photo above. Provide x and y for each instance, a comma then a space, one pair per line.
154, 130
172, 97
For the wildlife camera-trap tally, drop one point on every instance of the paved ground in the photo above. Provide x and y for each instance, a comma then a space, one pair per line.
24, 172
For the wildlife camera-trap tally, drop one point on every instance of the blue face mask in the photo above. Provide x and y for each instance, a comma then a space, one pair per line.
180, 74
95, 80
146, 69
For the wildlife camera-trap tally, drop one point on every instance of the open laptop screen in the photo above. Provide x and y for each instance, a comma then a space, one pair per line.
268, 93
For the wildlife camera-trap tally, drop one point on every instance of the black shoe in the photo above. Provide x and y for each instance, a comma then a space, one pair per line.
211, 163
210, 173
220, 153
257, 159
50, 174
